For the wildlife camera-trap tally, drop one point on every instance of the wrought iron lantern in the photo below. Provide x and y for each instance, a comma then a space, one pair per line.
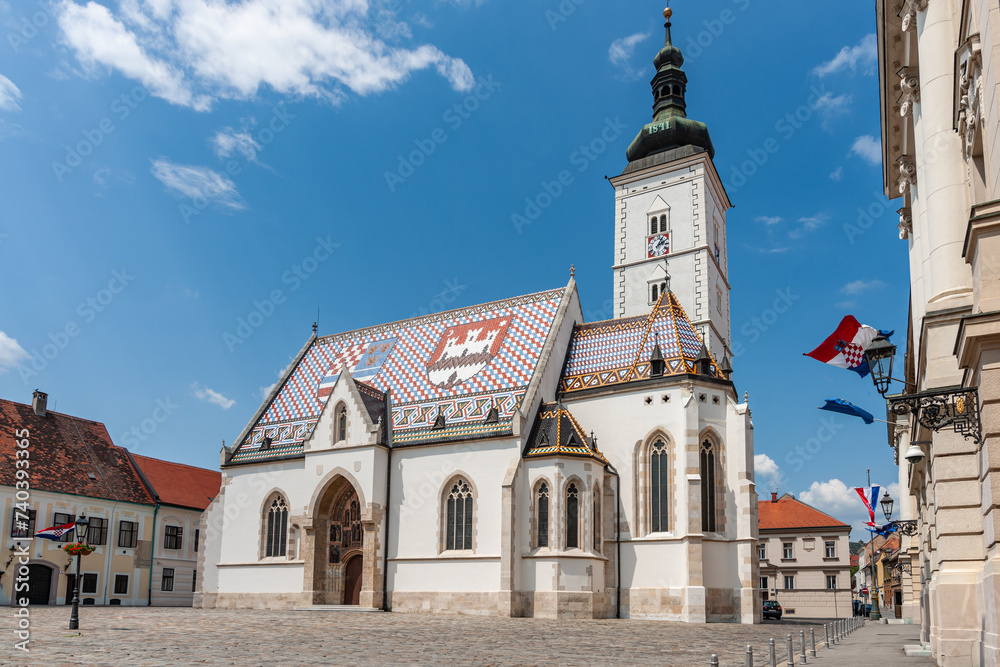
880, 356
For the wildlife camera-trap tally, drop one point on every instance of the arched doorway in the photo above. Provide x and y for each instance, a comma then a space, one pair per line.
39, 583
352, 581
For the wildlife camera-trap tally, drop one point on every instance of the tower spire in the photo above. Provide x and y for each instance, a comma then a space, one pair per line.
671, 128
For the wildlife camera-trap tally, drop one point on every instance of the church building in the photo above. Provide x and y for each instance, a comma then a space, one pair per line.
509, 458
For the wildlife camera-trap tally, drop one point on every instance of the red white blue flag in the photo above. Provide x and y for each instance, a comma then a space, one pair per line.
56, 532
845, 348
870, 499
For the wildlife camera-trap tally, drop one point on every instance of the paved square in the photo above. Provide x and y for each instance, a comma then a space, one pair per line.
158, 636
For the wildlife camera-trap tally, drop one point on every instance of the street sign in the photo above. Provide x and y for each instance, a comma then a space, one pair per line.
864, 591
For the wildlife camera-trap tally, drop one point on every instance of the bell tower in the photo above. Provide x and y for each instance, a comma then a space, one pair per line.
670, 212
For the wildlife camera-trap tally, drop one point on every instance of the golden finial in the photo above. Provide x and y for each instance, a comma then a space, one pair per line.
667, 13
572, 271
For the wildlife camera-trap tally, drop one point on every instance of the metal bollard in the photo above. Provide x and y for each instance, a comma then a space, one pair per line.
802, 646
714, 660
789, 649
826, 633
749, 655
770, 651
833, 631
812, 637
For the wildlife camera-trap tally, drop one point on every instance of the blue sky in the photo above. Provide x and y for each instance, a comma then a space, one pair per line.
169, 167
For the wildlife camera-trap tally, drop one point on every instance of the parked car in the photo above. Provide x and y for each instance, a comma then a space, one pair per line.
772, 610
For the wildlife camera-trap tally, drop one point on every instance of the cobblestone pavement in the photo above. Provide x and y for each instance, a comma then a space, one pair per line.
158, 636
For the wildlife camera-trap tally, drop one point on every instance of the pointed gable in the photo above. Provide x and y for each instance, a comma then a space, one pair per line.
462, 363
615, 352
558, 433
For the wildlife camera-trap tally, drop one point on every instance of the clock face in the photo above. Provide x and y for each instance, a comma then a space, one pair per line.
658, 246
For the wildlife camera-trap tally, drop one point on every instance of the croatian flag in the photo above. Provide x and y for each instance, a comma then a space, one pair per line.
870, 499
845, 348
56, 532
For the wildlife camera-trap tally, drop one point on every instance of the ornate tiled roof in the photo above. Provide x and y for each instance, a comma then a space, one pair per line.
557, 433
462, 362
614, 352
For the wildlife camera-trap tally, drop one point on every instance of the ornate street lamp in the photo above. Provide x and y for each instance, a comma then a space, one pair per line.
886, 504
905, 527
80, 526
956, 408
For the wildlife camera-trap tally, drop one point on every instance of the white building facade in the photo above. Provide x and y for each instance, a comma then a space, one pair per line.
938, 78
508, 458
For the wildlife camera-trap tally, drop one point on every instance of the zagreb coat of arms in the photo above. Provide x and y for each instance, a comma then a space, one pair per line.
465, 350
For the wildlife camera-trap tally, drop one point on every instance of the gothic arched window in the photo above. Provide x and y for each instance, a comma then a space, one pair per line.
542, 515
708, 491
597, 518
341, 422
276, 519
656, 292
572, 517
663, 223
659, 488
458, 514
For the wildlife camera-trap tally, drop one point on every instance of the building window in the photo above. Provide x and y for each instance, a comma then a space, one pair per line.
762, 551
197, 538
597, 518
656, 293
718, 298
542, 505
121, 584
831, 582
173, 537
658, 224
167, 581
128, 532
708, 500
763, 583
20, 528
341, 422
789, 582
97, 531
61, 519
277, 527
831, 549
194, 581
459, 517
572, 517
786, 551
88, 584
659, 487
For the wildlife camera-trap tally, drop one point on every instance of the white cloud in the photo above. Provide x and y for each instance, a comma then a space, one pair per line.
9, 95
859, 286
212, 396
832, 106
227, 141
767, 473
11, 353
863, 55
769, 220
842, 502
838, 175
197, 183
192, 52
621, 50
813, 222
868, 148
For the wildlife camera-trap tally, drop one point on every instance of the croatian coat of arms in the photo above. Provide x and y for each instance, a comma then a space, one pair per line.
465, 350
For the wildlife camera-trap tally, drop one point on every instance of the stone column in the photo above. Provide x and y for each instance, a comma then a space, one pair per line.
695, 599
989, 465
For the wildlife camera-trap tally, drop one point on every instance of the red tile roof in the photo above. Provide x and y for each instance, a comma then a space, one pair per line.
179, 484
68, 455
788, 512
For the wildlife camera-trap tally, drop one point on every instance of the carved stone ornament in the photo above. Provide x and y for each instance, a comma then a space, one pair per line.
970, 112
905, 223
907, 174
909, 83
910, 10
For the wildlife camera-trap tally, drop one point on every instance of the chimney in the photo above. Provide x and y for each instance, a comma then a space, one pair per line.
38, 402
774, 496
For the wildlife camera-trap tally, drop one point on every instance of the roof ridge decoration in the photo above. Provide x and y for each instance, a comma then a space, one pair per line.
554, 417
617, 352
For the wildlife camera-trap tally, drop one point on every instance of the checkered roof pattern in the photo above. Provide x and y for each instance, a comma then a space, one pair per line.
415, 400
